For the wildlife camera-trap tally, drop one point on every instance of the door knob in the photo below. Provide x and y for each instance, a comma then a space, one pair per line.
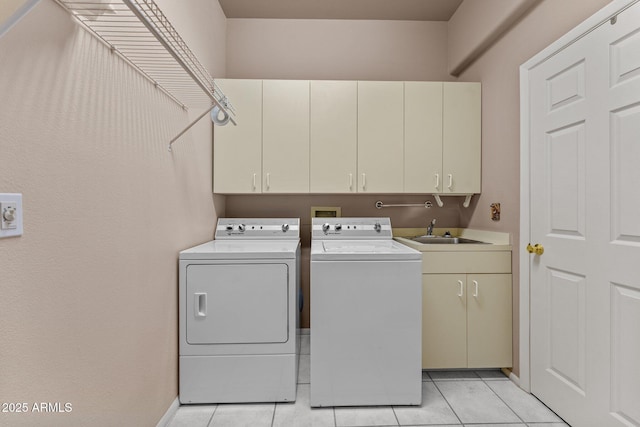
537, 249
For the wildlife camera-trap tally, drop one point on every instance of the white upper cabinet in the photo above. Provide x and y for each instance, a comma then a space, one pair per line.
461, 143
380, 137
285, 136
237, 150
423, 137
334, 136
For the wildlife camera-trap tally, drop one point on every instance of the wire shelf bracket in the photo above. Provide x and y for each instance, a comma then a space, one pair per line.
139, 32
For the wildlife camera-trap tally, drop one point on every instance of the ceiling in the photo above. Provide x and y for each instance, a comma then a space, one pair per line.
402, 10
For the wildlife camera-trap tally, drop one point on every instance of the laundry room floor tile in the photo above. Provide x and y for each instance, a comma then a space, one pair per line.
491, 374
475, 402
300, 414
453, 375
305, 344
433, 410
525, 405
304, 369
365, 416
192, 415
243, 415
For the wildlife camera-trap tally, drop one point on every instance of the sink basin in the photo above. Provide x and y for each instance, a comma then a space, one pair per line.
444, 240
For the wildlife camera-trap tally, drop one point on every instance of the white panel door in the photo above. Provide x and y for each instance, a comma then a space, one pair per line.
334, 136
585, 210
285, 136
380, 137
237, 150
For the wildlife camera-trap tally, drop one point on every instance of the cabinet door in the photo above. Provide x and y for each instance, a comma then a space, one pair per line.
380, 137
444, 321
422, 137
489, 331
461, 157
285, 136
334, 136
237, 150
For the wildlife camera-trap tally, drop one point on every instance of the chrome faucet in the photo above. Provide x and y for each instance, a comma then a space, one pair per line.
430, 227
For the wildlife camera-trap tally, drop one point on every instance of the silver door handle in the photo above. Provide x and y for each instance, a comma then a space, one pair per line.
475, 282
461, 288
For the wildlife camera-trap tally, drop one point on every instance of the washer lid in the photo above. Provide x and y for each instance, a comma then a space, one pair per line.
243, 249
355, 250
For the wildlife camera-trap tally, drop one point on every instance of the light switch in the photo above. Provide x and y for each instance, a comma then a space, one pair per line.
10, 214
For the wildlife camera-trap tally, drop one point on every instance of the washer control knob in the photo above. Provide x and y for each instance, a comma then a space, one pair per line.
338, 227
285, 228
241, 227
325, 227
377, 227
229, 227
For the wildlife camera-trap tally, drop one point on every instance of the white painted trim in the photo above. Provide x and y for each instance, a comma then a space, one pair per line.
591, 23
514, 378
525, 231
171, 412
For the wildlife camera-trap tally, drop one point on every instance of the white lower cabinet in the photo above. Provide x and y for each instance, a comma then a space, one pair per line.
467, 317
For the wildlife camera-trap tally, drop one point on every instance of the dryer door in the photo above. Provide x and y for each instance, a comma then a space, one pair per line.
237, 303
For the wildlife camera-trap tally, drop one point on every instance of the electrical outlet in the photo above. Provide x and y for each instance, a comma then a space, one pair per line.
10, 214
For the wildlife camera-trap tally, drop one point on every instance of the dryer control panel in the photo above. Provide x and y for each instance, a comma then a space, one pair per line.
351, 228
258, 228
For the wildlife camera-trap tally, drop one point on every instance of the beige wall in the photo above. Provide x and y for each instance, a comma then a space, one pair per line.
88, 313
498, 70
476, 25
336, 49
330, 50
351, 206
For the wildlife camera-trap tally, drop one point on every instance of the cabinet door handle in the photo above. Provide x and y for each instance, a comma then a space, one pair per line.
254, 182
475, 294
350, 181
268, 180
450, 181
437, 181
364, 180
200, 304
461, 288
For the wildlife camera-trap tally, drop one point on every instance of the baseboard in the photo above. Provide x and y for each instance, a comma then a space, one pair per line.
514, 378
171, 412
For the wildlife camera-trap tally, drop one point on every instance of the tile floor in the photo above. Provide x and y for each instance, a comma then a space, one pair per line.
469, 398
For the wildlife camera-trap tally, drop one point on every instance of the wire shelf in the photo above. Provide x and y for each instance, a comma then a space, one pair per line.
139, 32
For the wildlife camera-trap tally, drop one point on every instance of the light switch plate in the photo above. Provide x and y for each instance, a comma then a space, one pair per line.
10, 205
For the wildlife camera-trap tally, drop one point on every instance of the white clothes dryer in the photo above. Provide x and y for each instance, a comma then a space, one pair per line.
239, 313
366, 315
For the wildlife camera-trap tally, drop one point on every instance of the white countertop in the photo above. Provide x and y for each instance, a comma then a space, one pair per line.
493, 241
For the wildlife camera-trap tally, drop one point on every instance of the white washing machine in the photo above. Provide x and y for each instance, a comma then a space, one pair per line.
239, 313
366, 315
